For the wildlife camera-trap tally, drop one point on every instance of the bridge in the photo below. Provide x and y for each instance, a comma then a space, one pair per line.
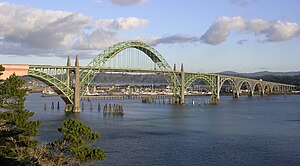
136, 57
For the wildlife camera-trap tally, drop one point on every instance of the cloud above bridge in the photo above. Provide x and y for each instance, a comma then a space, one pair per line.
123, 23
25, 30
127, 2
170, 39
243, 3
221, 28
272, 31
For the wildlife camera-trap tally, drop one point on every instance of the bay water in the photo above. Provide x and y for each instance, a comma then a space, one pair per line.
245, 131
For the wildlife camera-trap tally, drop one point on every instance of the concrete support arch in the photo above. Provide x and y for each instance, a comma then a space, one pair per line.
267, 89
275, 88
235, 90
248, 87
260, 88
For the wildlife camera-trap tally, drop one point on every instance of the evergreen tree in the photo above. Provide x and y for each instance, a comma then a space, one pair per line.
16, 129
1, 69
74, 147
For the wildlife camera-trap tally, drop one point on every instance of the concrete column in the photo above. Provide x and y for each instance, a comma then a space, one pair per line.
236, 93
182, 85
262, 93
251, 93
76, 107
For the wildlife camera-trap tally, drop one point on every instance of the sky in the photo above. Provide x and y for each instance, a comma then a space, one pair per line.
204, 35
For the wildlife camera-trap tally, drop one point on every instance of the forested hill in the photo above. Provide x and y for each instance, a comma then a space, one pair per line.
159, 78
293, 80
118, 78
282, 77
262, 73
121, 78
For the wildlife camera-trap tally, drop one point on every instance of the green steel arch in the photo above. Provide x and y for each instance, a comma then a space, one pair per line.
208, 79
88, 75
60, 86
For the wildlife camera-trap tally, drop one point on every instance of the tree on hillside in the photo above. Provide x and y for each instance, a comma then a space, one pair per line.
74, 147
16, 132
16, 129
1, 71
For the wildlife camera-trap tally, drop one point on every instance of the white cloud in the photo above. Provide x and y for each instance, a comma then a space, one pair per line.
26, 30
170, 39
99, 39
98, 2
221, 28
258, 26
123, 23
273, 31
127, 2
242, 3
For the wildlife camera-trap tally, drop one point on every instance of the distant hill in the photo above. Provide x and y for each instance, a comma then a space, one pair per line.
281, 77
261, 73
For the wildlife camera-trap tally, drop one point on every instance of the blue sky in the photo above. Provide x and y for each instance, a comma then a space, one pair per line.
205, 35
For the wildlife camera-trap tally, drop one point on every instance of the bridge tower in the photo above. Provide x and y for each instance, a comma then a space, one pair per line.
68, 73
68, 107
76, 107
174, 97
182, 89
218, 83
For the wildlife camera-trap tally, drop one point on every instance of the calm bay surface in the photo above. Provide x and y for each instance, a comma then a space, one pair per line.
245, 131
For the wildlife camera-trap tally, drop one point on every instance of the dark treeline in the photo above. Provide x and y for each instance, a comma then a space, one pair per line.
129, 78
293, 80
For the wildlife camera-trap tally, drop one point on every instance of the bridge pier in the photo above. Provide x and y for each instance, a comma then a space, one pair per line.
68, 107
251, 93
236, 94
262, 92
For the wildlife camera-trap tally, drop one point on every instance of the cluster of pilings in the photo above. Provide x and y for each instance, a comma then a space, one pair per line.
52, 106
115, 110
91, 107
155, 100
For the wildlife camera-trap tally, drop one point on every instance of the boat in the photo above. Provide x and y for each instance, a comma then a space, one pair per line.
48, 93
